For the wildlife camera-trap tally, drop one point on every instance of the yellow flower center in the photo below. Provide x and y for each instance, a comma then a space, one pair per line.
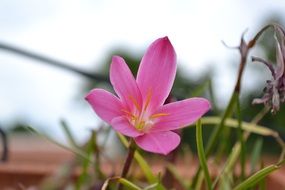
140, 118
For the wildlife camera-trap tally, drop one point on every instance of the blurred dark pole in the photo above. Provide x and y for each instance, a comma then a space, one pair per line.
4, 138
49, 61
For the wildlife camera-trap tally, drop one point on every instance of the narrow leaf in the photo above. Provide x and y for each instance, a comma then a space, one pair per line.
83, 178
129, 185
73, 149
241, 140
256, 153
173, 170
68, 134
255, 178
250, 127
201, 153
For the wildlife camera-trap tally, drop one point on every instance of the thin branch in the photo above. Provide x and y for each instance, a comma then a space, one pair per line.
51, 61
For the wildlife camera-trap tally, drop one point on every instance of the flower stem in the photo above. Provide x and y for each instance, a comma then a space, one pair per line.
128, 161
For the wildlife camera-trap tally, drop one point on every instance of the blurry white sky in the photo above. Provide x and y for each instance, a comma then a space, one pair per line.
81, 32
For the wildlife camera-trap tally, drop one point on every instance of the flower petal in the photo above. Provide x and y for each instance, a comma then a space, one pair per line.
157, 72
279, 60
180, 114
124, 83
122, 125
106, 105
159, 142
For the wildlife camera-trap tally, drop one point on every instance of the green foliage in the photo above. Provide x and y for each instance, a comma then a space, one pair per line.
201, 154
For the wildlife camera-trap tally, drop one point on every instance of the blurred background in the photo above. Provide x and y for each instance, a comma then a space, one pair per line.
85, 34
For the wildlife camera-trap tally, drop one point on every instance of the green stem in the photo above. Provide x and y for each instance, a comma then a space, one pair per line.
217, 131
201, 153
242, 142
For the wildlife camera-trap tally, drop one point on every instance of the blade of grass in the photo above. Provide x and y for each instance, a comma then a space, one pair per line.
73, 149
249, 127
262, 183
215, 135
151, 187
129, 185
176, 175
96, 152
198, 91
233, 157
227, 169
199, 183
241, 140
256, 153
83, 178
217, 131
226, 182
201, 153
68, 133
255, 178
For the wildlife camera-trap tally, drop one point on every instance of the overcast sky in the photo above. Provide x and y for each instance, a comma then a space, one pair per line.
82, 32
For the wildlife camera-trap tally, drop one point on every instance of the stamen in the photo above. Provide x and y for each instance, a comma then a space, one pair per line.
157, 115
148, 98
134, 101
129, 114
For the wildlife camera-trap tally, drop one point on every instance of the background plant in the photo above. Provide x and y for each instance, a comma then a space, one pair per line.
91, 154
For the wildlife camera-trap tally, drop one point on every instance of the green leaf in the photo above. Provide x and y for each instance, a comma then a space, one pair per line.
255, 178
73, 149
226, 182
250, 127
129, 185
201, 153
151, 187
83, 178
201, 89
256, 153
199, 183
173, 170
68, 134
241, 140
219, 129
213, 139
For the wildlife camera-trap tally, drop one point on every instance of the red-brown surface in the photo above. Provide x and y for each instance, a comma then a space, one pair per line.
31, 159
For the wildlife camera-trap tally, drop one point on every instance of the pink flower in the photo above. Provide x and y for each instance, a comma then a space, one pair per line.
139, 111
